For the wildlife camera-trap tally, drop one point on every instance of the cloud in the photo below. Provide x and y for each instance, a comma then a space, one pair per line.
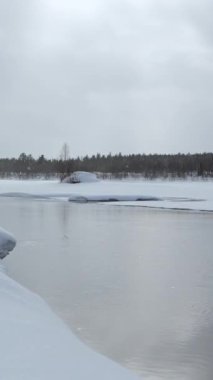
114, 72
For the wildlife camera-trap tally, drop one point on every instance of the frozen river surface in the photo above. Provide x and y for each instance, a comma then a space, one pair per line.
135, 284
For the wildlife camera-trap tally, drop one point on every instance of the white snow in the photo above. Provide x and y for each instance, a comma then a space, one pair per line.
7, 243
36, 345
111, 198
192, 195
80, 177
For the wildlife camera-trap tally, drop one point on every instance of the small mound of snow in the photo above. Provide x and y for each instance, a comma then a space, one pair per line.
111, 198
79, 177
7, 243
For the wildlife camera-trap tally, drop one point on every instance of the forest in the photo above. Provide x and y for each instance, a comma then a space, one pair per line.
118, 165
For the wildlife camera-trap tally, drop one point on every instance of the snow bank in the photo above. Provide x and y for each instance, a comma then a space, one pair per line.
111, 198
36, 345
178, 195
79, 177
7, 243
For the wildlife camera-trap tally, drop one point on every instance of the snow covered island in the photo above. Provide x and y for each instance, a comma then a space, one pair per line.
79, 177
37, 345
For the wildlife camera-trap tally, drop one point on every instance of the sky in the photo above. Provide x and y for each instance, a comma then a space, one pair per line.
129, 76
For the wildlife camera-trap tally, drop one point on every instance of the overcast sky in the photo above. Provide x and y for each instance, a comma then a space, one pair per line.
106, 76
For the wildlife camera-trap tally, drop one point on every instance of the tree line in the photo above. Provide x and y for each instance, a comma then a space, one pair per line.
118, 165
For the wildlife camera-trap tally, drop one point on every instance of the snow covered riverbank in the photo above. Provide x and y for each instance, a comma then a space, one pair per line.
35, 344
179, 195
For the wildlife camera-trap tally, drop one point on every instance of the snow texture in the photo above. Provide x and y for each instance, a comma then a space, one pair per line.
194, 195
7, 243
111, 198
80, 177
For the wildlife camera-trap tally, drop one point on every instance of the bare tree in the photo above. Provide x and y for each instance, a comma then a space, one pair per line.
65, 152
64, 161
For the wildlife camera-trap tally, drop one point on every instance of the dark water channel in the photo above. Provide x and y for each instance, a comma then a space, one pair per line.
133, 283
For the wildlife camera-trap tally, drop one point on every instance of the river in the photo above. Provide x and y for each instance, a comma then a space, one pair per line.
135, 284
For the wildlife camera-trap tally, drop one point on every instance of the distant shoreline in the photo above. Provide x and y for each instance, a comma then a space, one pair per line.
111, 166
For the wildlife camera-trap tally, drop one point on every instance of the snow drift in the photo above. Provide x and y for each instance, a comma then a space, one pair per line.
79, 177
7, 243
111, 198
163, 194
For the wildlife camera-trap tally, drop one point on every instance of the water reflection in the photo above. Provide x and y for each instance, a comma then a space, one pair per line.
135, 284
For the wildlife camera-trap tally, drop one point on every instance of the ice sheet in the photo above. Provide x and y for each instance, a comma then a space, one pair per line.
192, 195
